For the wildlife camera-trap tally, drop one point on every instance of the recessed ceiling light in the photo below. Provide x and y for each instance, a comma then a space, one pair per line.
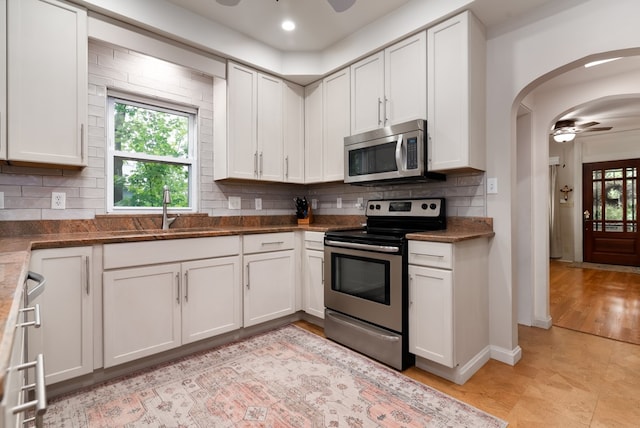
288, 25
602, 61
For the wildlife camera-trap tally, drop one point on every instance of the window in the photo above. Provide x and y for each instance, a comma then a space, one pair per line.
151, 144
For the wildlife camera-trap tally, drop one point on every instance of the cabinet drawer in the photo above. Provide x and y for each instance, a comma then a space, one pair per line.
129, 254
314, 240
434, 254
265, 242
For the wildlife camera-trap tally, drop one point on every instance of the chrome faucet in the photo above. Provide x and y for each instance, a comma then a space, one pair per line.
166, 200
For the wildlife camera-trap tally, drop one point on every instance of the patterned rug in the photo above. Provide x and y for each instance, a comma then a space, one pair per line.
284, 378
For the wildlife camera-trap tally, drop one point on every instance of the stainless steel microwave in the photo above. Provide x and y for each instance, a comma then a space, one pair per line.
396, 153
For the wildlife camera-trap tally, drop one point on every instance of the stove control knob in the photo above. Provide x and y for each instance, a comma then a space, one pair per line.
433, 206
377, 206
425, 206
371, 207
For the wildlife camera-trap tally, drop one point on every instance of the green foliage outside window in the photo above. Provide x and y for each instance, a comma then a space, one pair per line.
150, 145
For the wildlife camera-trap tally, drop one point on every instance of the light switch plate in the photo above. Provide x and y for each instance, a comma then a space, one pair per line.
235, 202
339, 203
258, 203
314, 204
1, 200
492, 186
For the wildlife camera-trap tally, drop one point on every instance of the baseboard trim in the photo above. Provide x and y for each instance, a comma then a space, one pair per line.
543, 323
507, 356
459, 374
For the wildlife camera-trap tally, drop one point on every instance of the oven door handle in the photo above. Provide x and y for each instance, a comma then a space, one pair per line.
358, 246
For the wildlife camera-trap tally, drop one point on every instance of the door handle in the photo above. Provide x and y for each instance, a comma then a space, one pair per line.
586, 214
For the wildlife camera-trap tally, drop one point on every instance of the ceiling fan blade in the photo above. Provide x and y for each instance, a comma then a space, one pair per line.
228, 2
587, 125
602, 128
341, 5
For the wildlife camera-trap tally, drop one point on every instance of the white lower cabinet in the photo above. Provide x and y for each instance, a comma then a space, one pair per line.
157, 307
269, 282
449, 307
66, 338
313, 269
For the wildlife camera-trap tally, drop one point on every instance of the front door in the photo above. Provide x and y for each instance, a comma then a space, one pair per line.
610, 212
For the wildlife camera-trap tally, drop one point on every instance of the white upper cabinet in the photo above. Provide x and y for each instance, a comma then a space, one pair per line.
265, 132
313, 137
367, 94
335, 123
293, 129
270, 143
390, 86
47, 82
456, 94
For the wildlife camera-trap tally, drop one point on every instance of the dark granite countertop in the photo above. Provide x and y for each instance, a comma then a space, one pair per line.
18, 238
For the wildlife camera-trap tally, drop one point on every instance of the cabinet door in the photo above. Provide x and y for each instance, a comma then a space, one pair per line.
66, 335
211, 298
269, 290
367, 94
314, 283
431, 314
47, 77
336, 123
405, 80
141, 312
313, 133
3, 79
270, 143
242, 116
293, 128
456, 95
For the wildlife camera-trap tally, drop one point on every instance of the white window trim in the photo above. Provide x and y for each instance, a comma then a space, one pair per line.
191, 161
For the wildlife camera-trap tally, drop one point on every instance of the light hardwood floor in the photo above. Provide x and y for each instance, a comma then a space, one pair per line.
564, 379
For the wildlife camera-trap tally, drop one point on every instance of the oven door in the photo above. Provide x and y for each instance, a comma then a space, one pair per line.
365, 284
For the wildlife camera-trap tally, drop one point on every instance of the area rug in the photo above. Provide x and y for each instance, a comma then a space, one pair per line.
284, 378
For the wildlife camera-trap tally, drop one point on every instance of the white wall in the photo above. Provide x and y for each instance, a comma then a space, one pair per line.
518, 60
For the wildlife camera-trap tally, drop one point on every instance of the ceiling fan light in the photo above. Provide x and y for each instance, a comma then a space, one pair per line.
341, 5
564, 137
228, 2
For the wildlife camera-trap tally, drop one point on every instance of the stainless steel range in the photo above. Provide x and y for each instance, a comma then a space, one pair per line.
366, 279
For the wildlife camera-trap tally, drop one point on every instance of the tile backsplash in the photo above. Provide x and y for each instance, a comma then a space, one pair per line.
27, 190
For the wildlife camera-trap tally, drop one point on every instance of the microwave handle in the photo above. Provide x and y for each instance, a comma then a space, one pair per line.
399, 152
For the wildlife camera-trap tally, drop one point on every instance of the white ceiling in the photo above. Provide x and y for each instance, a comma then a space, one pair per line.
319, 26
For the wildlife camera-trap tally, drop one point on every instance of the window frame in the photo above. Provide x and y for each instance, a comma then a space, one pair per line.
190, 161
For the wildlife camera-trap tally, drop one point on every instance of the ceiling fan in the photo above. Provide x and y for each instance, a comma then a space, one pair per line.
566, 130
337, 5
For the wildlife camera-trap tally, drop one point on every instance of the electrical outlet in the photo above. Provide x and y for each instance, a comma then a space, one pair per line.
235, 202
360, 203
1, 200
314, 204
339, 203
58, 200
258, 203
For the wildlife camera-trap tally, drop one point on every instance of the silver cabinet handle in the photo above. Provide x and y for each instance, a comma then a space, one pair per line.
87, 272
272, 243
379, 116
82, 141
286, 166
386, 117
40, 402
186, 286
37, 322
255, 164
248, 285
322, 269
37, 289
260, 171
178, 287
